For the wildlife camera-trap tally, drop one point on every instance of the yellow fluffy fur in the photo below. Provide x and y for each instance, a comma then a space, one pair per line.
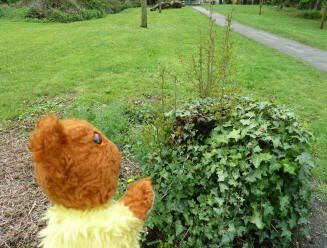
112, 225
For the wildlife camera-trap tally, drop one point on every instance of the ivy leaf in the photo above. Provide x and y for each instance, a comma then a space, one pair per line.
247, 130
286, 233
305, 159
292, 221
219, 211
235, 174
235, 134
221, 175
276, 142
257, 219
262, 236
289, 167
227, 238
245, 122
232, 182
258, 158
220, 201
179, 227
213, 168
221, 139
284, 203
251, 178
223, 187
250, 115
268, 209
262, 105
274, 166
257, 149
231, 228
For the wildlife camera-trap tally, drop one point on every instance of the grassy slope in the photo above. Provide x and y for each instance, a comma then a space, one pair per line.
107, 59
281, 22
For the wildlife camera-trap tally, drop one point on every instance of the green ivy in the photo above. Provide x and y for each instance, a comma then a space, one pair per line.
237, 181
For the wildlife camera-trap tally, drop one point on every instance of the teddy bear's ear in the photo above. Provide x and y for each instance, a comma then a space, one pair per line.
48, 136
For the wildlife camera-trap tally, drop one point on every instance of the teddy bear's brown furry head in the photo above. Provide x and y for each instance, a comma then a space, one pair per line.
75, 164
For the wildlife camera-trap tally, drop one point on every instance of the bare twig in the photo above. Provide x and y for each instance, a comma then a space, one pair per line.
129, 161
165, 194
32, 208
274, 228
185, 235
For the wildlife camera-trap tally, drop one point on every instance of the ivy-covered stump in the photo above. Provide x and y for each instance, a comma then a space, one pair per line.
231, 175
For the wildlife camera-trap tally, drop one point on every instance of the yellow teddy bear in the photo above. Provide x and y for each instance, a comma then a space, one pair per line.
77, 167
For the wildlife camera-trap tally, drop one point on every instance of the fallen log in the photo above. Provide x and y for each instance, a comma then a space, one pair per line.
166, 5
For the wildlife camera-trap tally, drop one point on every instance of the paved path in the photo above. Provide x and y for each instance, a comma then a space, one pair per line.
313, 56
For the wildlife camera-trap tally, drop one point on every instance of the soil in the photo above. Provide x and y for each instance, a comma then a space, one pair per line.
22, 203
318, 227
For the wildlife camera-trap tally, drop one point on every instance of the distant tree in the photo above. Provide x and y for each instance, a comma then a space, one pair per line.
281, 4
323, 17
144, 21
318, 5
260, 7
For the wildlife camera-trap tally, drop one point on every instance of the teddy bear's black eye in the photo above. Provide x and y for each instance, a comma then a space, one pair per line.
97, 139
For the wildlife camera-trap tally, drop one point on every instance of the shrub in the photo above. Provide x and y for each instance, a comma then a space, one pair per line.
12, 13
133, 3
92, 14
212, 66
3, 11
58, 15
8, 1
312, 14
35, 12
93, 4
74, 10
237, 182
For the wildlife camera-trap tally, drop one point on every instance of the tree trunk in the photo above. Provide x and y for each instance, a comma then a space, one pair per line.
323, 18
160, 7
318, 5
144, 23
260, 7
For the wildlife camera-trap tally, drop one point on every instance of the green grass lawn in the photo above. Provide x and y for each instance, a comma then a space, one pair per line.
101, 61
285, 22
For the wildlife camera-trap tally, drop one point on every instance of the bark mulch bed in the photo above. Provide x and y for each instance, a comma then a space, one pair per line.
22, 203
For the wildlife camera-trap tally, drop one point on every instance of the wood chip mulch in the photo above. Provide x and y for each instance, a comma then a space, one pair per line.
22, 203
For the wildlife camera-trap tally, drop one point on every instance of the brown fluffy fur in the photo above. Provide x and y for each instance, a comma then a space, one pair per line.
76, 172
139, 197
